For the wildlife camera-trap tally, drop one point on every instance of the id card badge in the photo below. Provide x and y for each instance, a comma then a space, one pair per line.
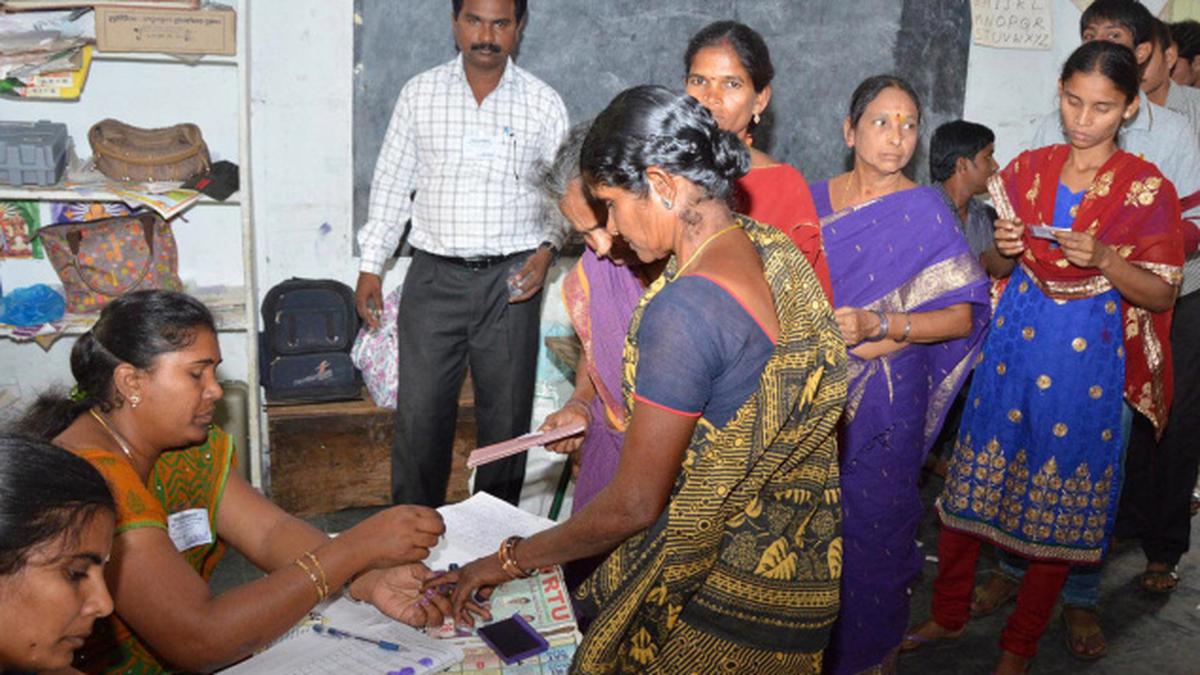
481, 147
189, 529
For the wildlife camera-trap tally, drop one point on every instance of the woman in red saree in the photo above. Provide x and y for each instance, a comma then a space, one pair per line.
1081, 328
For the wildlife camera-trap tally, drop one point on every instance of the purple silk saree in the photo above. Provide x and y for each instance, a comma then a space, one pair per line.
899, 253
600, 299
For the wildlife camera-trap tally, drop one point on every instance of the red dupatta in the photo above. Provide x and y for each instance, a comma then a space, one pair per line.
1132, 208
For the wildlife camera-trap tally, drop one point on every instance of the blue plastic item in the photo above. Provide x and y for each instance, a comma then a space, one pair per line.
32, 306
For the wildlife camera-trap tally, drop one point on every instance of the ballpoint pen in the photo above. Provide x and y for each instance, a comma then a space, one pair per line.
338, 633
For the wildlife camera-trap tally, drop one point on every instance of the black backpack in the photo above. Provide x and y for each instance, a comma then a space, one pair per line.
308, 329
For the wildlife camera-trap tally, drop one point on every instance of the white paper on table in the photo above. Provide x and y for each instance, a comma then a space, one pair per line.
304, 652
476, 528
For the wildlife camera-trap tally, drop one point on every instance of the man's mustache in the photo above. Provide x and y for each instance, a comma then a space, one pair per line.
489, 47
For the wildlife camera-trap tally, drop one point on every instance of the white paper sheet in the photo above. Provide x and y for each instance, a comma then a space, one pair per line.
476, 527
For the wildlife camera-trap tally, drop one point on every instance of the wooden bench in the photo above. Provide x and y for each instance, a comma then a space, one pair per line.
332, 456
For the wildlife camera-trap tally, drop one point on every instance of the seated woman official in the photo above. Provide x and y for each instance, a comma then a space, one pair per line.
724, 506
146, 390
56, 530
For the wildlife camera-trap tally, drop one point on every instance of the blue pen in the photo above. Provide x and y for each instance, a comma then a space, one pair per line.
338, 633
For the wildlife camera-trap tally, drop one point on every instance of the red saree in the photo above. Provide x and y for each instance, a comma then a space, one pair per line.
1132, 208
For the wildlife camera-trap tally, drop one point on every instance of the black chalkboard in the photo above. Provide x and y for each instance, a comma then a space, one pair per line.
589, 50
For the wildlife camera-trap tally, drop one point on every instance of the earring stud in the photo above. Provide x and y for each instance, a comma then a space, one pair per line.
135, 400
667, 203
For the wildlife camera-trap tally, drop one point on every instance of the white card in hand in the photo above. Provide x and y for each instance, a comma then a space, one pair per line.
1045, 231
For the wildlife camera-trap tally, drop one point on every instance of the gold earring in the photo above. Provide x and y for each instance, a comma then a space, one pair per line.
135, 400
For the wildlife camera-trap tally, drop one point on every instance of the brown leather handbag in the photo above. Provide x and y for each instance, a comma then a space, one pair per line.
127, 153
99, 260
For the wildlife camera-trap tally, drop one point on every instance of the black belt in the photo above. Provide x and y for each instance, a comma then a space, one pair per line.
475, 263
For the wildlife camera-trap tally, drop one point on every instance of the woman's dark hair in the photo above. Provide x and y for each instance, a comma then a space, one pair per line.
45, 493
749, 46
872, 87
1114, 61
135, 328
953, 140
650, 125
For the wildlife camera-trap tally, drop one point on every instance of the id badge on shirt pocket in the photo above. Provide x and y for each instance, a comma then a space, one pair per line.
481, 147
189, 529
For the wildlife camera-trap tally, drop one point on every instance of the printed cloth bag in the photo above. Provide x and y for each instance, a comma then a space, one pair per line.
99, 260
376, 353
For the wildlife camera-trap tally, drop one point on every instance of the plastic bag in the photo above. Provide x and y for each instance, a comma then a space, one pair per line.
376, 354
32, 306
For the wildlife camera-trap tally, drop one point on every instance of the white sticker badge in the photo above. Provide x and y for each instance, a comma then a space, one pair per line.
189, 529
480, 147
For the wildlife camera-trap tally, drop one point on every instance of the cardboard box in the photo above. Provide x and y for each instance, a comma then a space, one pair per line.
209, 30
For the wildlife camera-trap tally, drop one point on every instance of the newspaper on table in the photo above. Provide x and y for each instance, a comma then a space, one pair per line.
474, 528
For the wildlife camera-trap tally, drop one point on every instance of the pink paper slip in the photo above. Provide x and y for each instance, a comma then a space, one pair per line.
491, 453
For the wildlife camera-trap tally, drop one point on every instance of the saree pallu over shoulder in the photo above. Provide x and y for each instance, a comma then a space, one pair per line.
904, 253
1131, 207
741, 571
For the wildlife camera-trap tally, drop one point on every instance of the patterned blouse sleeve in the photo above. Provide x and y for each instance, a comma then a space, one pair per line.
136, 507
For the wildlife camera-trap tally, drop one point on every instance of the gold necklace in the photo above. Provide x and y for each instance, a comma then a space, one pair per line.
704, 244
115, 436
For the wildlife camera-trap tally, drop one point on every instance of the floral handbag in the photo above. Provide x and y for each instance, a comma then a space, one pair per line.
99, 260
376, 353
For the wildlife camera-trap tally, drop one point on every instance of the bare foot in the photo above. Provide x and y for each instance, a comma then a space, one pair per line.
1011, 664
930, 631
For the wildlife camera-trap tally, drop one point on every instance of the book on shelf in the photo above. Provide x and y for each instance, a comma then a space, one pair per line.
60, 85
18, 5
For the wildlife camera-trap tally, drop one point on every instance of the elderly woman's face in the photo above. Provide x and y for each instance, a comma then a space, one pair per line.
48, 607
588, 218
886, 134
717, 78
634, 219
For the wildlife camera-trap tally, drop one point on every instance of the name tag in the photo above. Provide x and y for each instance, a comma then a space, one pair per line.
481, 147
189, 529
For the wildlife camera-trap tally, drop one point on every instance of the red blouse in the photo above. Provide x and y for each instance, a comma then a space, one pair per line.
778, 195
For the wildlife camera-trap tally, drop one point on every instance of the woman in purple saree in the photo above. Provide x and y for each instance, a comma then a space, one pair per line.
912, 303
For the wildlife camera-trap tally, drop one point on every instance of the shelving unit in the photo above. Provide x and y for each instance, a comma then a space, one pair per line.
235, 306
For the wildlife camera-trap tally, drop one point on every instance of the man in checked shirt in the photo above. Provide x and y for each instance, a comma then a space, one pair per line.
466, 137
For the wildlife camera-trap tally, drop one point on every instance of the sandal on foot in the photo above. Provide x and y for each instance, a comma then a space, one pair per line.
914, 640
991, 596
1085, 642
1159, 581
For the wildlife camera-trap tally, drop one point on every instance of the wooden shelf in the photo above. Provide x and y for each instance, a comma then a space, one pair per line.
157, 57
59, 193
226, 303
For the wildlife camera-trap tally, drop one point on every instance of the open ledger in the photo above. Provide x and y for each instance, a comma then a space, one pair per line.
474, 528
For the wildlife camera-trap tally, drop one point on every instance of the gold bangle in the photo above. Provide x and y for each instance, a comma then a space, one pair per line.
320, 568
508, 561
312, 577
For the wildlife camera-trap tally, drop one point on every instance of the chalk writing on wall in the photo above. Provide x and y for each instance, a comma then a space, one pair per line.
1011, 24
